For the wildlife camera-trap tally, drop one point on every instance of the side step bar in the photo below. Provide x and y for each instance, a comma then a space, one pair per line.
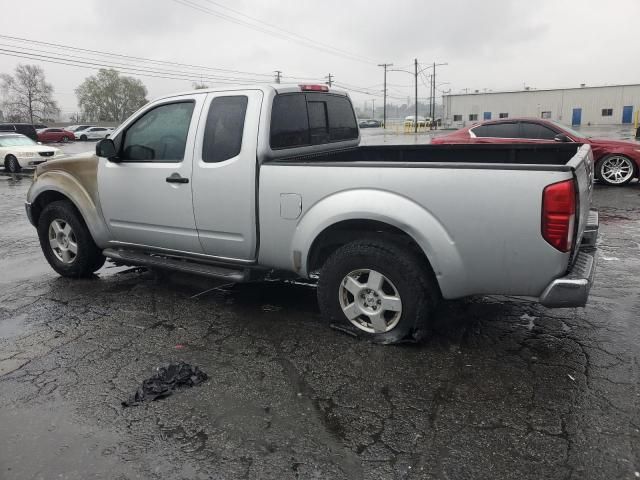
157, 261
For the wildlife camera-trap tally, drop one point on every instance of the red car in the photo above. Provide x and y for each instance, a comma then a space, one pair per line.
55, 135
617, 162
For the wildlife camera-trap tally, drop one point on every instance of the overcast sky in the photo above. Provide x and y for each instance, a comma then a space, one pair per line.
492, 44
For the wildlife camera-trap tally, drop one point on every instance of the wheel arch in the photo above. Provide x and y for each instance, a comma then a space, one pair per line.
366, 213
57, 185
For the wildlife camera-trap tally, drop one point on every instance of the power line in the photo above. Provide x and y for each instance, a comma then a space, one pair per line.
126, 70
278, 32
129, 57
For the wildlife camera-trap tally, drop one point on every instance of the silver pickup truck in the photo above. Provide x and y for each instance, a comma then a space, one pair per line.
239, 182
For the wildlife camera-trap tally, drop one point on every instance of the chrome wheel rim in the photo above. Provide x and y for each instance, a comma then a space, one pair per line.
370, 301
63, 241
617, 169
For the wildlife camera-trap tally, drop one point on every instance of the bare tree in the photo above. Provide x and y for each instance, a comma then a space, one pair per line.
27, 95
108, 96
199, 86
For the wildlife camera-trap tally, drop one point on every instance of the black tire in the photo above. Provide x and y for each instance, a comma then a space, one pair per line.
83, 138
407, 273
606, 178
65, 139
89, 257
12, 165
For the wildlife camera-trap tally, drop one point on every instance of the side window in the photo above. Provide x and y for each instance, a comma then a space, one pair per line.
537, 131
160, 135
342, 120
289, 121
457, 118
497, 130
318, 123
224, 128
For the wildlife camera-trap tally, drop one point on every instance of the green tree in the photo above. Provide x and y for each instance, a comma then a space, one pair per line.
27, 96
108, 96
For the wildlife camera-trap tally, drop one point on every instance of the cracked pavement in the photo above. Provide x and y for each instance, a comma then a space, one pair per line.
503, 388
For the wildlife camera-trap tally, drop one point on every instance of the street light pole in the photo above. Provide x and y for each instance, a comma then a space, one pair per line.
373, 108
384, 107
415, 119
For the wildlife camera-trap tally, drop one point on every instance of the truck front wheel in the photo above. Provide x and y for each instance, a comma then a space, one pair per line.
66, 241
378, 290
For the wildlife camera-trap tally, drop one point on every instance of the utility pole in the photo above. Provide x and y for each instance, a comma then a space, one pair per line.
415, 74
384, 107
278, 75
433, 95
329, 79
373, 108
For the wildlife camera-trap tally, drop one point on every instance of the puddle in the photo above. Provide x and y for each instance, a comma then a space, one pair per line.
19, 268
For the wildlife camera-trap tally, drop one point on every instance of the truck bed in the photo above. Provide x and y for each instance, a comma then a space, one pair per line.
516, 155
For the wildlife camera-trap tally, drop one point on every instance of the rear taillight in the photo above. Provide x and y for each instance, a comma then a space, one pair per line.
314, 88
559, 214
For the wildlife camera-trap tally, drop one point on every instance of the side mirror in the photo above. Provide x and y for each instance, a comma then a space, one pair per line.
561, 137
106, 148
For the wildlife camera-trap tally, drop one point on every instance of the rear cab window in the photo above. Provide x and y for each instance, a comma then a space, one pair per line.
305, 119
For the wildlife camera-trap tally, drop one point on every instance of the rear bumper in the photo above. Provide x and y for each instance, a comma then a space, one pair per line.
572, 290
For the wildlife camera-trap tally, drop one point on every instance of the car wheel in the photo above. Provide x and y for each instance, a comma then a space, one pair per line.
615, 170
65, 139
66, 241
377, 290
83, 138
12, 165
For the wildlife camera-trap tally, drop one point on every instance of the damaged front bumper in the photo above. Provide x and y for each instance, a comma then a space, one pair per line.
572, 290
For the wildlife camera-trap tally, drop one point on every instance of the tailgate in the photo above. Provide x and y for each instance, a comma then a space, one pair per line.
582, 165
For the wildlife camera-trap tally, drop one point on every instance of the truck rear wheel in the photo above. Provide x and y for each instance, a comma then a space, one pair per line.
377, 290
66, 241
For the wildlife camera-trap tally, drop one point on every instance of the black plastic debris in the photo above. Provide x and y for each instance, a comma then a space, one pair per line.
165, 381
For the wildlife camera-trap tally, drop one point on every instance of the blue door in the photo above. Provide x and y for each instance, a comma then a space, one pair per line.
487, 115
627, 114
576, 119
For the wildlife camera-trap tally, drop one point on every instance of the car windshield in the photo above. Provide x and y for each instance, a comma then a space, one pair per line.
16, 141
570, 130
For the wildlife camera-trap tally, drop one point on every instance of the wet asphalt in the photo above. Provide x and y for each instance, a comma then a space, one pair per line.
503, 389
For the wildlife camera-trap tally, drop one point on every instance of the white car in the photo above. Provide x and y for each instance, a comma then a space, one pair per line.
93, 133
18, 152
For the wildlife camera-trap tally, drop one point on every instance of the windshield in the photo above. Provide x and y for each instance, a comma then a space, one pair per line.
16, 141
570, 130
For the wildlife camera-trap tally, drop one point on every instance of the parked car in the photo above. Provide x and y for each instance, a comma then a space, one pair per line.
19, 151
23, 128
617, 162
370, 123
57, 135
77, 128
93, 133
383, 226
422, 121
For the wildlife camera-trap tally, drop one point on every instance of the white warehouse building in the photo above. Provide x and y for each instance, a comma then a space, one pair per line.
608, 105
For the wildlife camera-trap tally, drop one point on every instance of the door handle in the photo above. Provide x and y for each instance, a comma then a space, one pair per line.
176, 178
